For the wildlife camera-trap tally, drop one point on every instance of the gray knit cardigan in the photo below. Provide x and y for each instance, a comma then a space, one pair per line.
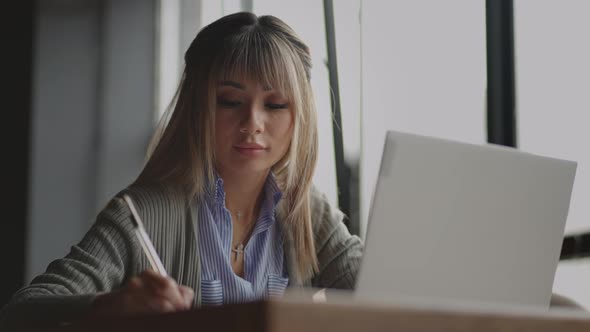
109, 254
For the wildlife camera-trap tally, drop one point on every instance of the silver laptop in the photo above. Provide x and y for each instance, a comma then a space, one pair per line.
464, 224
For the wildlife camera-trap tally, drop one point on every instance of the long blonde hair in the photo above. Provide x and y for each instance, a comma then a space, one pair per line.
182, 151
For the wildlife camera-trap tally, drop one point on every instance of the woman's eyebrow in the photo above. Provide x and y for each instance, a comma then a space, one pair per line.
239, 86
232, 84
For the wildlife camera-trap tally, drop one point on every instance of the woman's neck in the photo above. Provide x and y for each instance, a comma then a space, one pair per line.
243, 193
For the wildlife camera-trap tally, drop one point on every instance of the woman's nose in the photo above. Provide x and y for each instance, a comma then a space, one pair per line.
253, 121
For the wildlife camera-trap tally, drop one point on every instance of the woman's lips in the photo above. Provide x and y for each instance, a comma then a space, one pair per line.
250, 149
250, 146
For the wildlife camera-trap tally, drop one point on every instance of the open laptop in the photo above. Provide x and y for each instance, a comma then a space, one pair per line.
460, 223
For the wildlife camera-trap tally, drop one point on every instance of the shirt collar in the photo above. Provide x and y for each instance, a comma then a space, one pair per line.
272, 189
272, 193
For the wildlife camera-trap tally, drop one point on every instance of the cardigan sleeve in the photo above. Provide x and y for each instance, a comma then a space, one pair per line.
339, 253
66, 290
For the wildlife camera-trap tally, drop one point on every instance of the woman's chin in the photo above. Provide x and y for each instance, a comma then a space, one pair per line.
250, 167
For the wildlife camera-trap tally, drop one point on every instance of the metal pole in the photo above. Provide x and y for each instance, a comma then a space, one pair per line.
501, 119
342, 171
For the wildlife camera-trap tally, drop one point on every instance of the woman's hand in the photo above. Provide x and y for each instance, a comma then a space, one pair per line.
147, 293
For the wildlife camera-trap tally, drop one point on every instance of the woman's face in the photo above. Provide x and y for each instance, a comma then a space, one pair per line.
253, 127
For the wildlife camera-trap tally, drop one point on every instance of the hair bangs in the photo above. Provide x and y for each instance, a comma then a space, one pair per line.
262, 58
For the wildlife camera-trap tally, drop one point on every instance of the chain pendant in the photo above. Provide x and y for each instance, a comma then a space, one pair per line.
238, 250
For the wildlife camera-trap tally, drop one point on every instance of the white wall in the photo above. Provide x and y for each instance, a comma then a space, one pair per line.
179, 21
63, 150
126, 93
553, 84
169, 60
92, 115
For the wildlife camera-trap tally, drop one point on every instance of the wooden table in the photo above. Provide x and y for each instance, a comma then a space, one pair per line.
296, 313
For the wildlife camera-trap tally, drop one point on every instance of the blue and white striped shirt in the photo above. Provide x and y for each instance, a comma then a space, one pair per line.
264, 271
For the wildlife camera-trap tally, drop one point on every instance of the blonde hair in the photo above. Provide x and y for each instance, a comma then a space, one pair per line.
182, 152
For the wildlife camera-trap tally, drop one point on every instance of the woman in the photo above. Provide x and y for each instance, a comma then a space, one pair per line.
225, 196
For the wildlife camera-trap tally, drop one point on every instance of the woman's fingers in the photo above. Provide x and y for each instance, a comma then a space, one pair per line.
188, 295
147, 292
159, 304
165, 288
134, 283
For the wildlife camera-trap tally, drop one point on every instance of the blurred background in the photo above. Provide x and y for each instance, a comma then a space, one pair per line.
93, 77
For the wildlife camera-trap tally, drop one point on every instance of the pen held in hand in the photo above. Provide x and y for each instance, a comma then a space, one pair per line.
144, 240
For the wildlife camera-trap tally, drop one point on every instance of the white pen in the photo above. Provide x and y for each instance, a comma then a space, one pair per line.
144, 239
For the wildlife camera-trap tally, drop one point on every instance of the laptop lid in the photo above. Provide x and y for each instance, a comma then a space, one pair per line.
464, 223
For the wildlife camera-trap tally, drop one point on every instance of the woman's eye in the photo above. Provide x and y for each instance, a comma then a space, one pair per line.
228, 103
277, 106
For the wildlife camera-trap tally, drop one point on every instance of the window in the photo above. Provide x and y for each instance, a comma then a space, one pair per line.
552, 84
423, 71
